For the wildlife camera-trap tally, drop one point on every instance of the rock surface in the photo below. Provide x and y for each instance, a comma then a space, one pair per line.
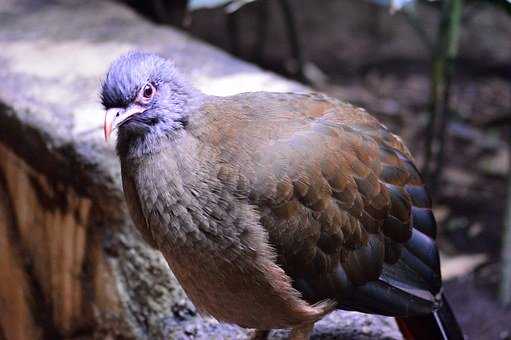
55, 164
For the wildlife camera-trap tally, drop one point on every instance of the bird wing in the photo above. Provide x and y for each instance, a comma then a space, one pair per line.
344, 206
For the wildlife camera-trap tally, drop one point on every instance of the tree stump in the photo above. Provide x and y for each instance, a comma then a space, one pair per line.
71, 264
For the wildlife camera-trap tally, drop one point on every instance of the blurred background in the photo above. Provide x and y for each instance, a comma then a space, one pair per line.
438, 73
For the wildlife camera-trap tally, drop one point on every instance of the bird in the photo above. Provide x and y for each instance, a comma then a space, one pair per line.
274, 209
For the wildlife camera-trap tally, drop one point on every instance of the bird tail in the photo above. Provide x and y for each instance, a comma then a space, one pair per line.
441, 325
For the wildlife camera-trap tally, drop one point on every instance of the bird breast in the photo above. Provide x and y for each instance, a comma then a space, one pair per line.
213, 241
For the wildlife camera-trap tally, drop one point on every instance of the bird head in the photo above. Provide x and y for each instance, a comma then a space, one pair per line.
143, 92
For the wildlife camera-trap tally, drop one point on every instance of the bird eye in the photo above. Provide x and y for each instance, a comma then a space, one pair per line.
148, 91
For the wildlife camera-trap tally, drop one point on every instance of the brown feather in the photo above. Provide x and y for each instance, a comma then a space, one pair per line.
265, 192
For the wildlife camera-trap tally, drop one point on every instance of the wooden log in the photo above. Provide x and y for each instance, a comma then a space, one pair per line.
48, 224
16, 319
60, 276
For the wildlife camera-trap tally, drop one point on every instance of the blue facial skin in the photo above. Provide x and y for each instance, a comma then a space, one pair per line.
162, 115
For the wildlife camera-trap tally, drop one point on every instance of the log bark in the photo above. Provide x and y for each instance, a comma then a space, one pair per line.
71, 264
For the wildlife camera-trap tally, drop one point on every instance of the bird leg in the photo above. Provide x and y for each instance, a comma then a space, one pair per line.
301, 332
259, 335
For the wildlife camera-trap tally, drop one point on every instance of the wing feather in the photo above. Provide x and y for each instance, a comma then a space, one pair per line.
342, 202
346, 210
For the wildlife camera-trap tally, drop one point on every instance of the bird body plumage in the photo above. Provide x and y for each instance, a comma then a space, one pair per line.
272, 208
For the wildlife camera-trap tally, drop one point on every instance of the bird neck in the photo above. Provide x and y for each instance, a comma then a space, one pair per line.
184, 99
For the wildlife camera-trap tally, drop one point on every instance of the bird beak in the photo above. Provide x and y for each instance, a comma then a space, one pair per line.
116, 116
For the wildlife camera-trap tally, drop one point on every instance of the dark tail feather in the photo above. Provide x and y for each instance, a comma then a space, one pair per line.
441, 325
